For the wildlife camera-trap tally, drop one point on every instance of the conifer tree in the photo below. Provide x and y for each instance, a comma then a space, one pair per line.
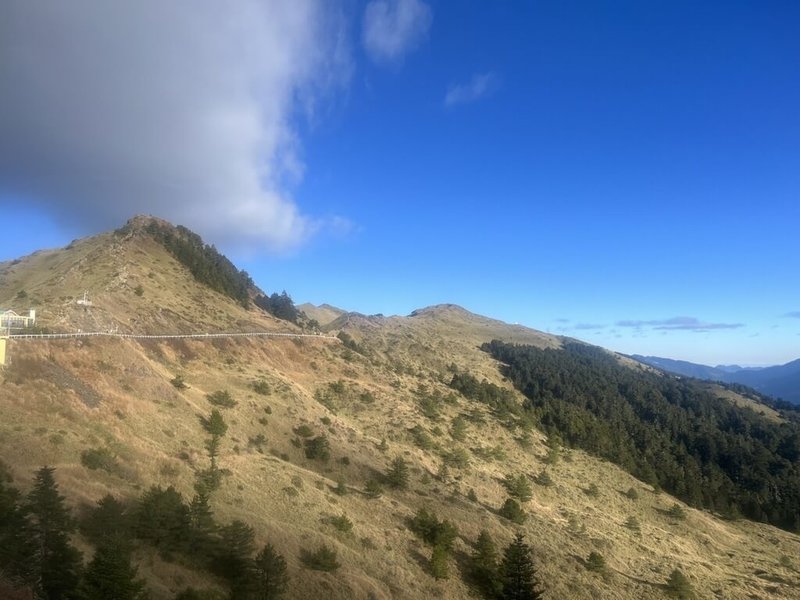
236, 546
108, 519
216, 427
56, 563
269, 574
438, 564
397, 476
678, 586
512, 511
16, 547
162, 518
483, 565
518, 574
518, 487
111, 575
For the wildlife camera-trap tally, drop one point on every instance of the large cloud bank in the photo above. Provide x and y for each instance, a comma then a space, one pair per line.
182, 109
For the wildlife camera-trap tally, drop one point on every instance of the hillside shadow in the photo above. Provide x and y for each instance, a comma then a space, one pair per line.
422, 560
656, 586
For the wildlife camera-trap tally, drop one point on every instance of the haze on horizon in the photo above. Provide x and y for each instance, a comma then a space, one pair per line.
628, 174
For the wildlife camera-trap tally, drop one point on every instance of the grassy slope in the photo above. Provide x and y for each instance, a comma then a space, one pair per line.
60, 398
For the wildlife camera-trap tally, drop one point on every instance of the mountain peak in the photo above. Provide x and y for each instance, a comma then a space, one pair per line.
141, 223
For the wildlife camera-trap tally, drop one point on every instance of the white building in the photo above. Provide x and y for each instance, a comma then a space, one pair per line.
11, 320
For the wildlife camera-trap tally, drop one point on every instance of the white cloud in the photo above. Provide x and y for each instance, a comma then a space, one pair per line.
392, 28
183, 109
479, 86
678, 324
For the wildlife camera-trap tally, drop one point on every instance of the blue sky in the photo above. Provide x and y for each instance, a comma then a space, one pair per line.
627, 173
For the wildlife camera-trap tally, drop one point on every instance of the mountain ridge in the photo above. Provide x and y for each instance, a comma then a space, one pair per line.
387, 394
779, 381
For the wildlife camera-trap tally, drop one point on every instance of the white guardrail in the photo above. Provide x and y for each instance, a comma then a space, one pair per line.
173, 336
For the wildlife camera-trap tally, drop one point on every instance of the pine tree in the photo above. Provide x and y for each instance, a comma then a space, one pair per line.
518, 574
678, 586
163, 519
236, 546
438, 564
57, 564
483, 565
109, 519
518, 487
512, 511
16, 547
596, 562
269, 574
397, 476
111, 575
216, 427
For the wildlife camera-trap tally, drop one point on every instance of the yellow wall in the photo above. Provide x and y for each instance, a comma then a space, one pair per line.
2, 351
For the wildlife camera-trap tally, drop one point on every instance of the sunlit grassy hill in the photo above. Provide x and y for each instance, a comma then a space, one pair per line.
380, 393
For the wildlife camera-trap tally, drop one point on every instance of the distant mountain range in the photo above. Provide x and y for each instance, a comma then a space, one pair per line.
781, 381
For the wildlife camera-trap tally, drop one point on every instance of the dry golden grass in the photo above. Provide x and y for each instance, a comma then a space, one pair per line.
59, 398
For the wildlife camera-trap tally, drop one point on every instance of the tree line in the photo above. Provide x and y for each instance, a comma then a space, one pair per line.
671, 432
206, 264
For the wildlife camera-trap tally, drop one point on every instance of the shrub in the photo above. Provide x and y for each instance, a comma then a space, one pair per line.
261, 387
322, 559
512, 511
257, 441
318, 448
632, 493
325, 420
178, 382
458, 459
676, 512
221, 398
341, 523
341, 488
432, 531
678, 586
632, 523
518, 487
592, 491
553, 453
544, 479
373, 489
575, 526
303, 431
138, 290
430, 406
471, 495
421, 438
99, 458
596, 562
458, 429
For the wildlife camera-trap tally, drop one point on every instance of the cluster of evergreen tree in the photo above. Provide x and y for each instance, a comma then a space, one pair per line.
512, 577
499, 399
668, 431
36, 553
204, 262
280, 306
